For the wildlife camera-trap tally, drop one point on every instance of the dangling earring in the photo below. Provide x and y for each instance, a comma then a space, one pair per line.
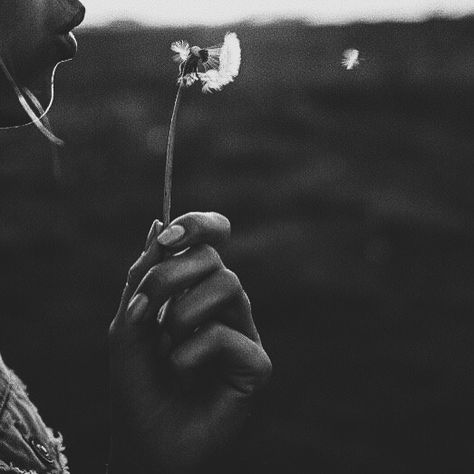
37, 121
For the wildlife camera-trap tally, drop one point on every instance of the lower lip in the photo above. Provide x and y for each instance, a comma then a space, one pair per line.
68, 45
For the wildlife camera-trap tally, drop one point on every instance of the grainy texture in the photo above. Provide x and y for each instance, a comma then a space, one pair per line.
350, 195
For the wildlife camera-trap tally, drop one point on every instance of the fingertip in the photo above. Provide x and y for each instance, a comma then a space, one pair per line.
155, 229
196, 227
137, 307
171, 235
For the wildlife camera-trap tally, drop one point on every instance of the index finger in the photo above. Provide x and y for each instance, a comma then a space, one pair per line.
150, 257
195, 228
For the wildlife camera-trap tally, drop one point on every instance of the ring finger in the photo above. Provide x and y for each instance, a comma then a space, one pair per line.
219, 297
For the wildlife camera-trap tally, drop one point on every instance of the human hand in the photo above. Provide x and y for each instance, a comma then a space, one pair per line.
182, 382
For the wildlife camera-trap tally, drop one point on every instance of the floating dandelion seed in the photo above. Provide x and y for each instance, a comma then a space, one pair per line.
350, 58
214, 67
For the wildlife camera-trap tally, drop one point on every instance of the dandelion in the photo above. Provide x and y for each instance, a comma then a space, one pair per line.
214, 68
182, 50
350, 58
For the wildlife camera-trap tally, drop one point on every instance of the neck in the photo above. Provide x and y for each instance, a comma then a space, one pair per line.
12, 114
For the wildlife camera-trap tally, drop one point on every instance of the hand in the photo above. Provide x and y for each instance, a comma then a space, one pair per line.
185, 354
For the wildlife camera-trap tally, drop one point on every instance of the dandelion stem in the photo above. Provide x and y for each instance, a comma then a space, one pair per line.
169, 160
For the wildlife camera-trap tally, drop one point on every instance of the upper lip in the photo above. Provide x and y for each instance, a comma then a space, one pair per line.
75, 21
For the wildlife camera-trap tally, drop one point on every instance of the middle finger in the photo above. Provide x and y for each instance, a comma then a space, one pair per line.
176, 274
218, 297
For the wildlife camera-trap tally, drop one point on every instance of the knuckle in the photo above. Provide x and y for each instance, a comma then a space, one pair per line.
217, 227
159, 276
179, 361
180, 324
224, 224
231, 283
209, 254
177, 321
113, 331
267, 366
133, 271
175, 360
263, 368
215, 331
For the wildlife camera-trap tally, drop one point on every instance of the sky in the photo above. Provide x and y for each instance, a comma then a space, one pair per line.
215, 12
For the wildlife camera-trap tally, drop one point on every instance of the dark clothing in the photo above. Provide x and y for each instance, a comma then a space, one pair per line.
27, 446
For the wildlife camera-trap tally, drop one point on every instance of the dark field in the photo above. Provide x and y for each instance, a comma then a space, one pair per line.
352, 204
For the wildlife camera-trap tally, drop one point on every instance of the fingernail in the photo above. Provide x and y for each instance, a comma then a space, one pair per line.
137, 308
152, 233
171, 235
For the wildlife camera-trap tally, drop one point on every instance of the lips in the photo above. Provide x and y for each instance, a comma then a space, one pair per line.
65, 40
75, 21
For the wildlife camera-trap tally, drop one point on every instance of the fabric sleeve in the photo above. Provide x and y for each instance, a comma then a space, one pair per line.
27, 445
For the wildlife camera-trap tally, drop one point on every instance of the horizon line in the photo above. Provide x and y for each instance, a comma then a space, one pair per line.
259, 21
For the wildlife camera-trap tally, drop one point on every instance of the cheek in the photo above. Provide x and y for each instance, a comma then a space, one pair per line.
24, 34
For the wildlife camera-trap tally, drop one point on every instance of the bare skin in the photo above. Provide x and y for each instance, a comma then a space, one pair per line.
181, 386
32, 34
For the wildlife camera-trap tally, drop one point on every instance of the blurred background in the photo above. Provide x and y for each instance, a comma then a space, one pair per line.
350, 195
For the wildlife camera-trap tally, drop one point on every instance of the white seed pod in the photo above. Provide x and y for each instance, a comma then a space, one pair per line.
350, 58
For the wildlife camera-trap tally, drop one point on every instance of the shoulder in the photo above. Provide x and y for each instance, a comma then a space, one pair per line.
26, 444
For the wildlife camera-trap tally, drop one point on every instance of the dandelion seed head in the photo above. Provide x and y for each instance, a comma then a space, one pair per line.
211, 81
188, 79
230, 56
220, 64
182, 49
195, 50
350, 58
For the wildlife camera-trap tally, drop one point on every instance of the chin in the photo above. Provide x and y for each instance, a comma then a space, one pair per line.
43, 89
66, 46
